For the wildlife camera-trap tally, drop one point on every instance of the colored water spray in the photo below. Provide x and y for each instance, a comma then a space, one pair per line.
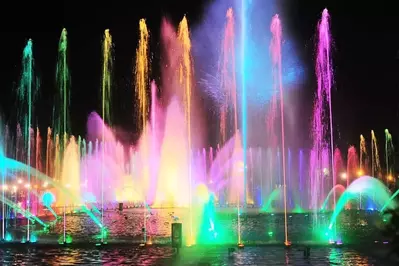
363, 154
107, 54
49, 170
185, 78
61, 109
142, 96
38, 167
275, 48
389, 156
366, 185
243, 112
63, 84
13, 165
141, 72
352, 168
3, 176
321, 105
229, 87
228, 78
352, 165
26, 96
107, 70
375, 157
321, 129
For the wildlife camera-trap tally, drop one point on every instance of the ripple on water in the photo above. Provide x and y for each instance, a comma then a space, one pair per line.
187, 256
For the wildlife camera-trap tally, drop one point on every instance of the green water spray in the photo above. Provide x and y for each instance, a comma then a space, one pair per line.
63, 84
367, 186
26, 95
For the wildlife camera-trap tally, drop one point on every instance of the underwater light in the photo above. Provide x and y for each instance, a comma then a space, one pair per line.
344, 176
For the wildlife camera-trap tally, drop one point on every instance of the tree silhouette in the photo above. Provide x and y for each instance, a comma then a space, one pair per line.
391, 229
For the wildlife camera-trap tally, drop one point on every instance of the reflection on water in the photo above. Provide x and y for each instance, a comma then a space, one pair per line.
187, 256
256, 227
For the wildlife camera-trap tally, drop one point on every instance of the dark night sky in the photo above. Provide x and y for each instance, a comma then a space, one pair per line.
366, 44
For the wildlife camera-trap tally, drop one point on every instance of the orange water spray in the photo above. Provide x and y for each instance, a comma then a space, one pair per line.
363, 153
57, 158
185, 76
375, 158
142, 94
389, 151
106, 76
141, 72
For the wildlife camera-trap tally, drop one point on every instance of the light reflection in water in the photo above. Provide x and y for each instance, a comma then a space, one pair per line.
156, 255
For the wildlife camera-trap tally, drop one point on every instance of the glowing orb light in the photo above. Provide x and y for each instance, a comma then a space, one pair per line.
48, 198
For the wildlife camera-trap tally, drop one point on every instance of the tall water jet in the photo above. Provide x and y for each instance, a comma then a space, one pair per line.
49, 148
228, 79
61, 105
26, 93
244, 119
61, 111
185, 78
363, 154
375, 157
389, 155
106, 82
106, 102
323, 97
229, 88
141, 72
275, 48
352, 165
70, 177
142, 96
352, 171
154, 159
339, 165
3, 182
38, 166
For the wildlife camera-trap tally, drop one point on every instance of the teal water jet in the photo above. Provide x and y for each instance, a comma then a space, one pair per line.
26, 96
14, 165
367, 186
332, 192
63, 84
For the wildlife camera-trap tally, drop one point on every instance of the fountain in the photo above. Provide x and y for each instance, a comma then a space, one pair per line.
375, 157
389, 156
100, 188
